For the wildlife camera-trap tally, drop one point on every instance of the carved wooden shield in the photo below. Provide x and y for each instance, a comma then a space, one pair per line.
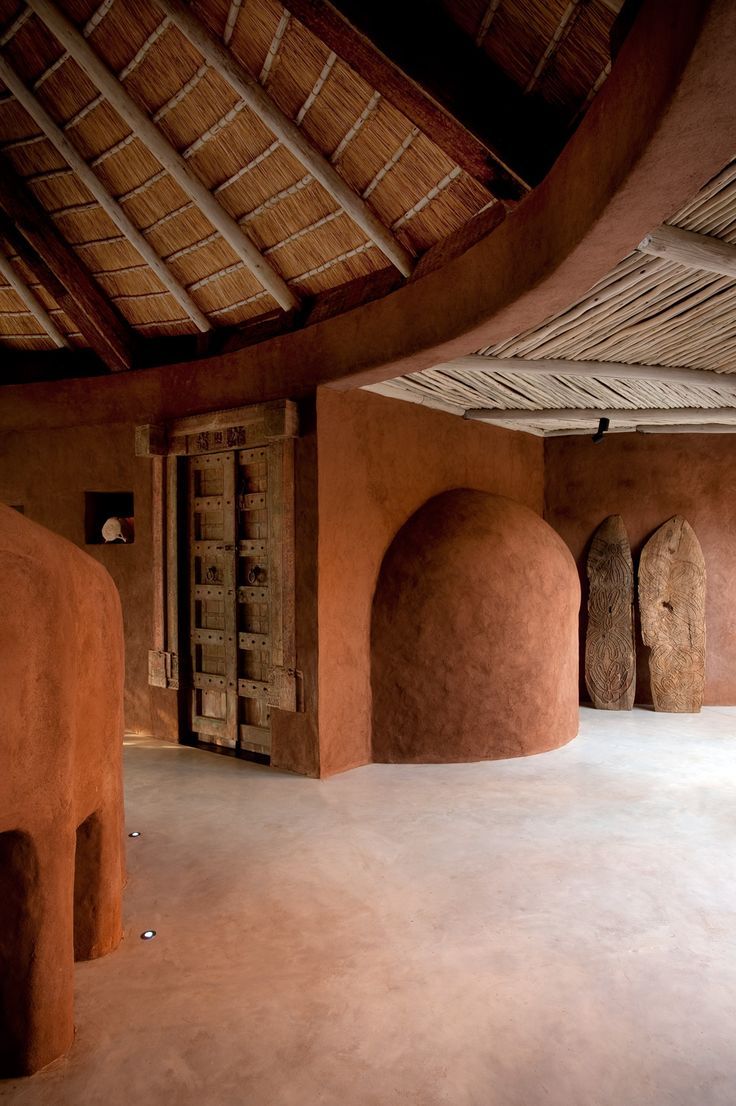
672, 608
610, 652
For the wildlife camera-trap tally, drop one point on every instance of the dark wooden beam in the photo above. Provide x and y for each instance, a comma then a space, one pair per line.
420, 60
30, 233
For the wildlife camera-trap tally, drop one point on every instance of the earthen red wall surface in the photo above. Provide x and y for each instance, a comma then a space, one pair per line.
379, 460
647, 479
48, 472
61, 685
474, 639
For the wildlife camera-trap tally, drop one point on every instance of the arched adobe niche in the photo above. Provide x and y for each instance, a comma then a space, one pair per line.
474, 650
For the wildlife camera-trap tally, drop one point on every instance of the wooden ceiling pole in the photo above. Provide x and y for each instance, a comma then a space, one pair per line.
694, 428
55, 135
287, 132
421, 62
485, 23
693, 250
32, 302
601, 370
163, 151
31, 233
690, 428
658, 415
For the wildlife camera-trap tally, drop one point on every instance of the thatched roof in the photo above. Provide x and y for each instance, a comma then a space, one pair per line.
650, 312
556, 51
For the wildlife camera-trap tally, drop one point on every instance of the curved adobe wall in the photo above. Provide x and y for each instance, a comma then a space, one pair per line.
474, 635
61, 796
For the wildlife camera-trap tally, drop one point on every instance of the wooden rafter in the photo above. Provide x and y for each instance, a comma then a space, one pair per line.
32, 302
56, 267
216, 55
423, 64
144, 129
693, 250
643, 428
74, 159
677, 416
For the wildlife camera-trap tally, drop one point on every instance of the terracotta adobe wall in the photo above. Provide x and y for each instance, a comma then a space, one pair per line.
48, 472
379, 460
647, 479
474, 636
61, 795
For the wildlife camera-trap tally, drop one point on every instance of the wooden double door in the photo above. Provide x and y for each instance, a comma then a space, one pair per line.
231, 653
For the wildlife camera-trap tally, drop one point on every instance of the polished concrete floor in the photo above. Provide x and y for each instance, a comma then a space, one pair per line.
555, 931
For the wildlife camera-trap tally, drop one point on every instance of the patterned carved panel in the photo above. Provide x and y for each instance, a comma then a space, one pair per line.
610, 651
672, 609
241, 626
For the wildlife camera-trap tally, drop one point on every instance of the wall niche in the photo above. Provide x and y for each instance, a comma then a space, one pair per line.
101, 508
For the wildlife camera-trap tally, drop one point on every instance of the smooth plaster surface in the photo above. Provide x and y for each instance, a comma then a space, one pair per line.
556, 929
647, 479
47, 473
474, 635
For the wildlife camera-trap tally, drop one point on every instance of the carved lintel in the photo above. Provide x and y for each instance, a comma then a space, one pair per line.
151, 441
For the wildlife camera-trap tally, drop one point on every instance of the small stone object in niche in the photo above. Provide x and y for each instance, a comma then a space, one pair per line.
672, 609
118, 530
610, 651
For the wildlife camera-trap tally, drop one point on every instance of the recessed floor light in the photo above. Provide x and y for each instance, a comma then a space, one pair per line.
148, 934
135, 833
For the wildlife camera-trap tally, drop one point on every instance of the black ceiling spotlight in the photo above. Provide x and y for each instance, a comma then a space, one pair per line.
148, 934
135, 833
603, 425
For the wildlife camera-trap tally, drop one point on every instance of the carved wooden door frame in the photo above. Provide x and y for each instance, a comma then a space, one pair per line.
273, 425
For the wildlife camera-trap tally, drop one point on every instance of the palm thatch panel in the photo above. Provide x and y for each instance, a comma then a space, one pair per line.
520, 33
340, 269
296, 67
97, 131
580, 58
339, 107
411, 185
254, 30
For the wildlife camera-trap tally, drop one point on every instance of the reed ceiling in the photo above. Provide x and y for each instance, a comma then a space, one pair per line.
556, 54
648, 312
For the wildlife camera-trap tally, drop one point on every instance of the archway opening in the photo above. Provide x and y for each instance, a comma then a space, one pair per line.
19, 913
87, 875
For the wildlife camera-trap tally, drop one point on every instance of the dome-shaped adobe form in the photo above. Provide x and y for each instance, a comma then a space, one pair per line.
474, 637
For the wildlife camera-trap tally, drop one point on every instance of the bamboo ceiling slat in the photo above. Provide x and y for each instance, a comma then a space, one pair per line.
295, 258
274, 48
354, 263
232, 17
254, 31
578, 59
646, 311
15, 26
